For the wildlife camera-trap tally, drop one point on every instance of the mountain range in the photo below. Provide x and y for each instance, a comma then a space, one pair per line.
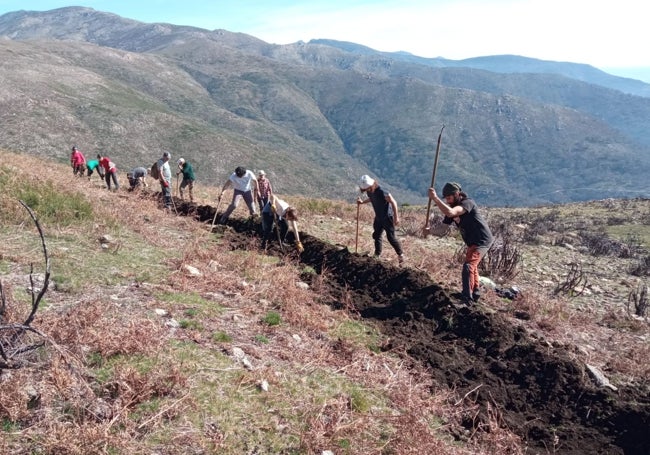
317, 115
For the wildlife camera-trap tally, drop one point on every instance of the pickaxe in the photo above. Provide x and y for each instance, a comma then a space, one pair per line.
427, 228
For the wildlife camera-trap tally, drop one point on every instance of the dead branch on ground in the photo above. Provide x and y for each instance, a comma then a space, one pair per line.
16, 340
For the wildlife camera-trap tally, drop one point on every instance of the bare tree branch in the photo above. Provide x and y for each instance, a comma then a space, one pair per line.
37, 299
15, 345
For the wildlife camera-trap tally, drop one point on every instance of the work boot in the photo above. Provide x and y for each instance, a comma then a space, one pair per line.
464, 298
467, 300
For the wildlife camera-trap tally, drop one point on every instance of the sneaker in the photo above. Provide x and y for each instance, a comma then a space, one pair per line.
401, 259
476, 295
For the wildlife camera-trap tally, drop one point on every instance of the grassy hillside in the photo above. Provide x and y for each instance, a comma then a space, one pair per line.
131, 90
141, 355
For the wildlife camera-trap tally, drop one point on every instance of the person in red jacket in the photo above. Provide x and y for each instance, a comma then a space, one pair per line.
264, 189
110, 171
77, 161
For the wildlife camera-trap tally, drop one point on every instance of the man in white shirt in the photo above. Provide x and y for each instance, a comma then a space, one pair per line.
245, 185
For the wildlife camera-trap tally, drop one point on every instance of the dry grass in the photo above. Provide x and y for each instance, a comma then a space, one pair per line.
118, 377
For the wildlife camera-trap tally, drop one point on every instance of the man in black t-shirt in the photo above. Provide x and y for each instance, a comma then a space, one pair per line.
386, 215
461, 210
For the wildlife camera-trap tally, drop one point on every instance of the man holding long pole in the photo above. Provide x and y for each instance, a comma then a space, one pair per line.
462, 211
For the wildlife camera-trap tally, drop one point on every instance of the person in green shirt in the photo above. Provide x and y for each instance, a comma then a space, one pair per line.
185, 168
93, 165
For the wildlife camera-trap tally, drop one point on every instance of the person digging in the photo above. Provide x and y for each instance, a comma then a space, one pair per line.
285, 217
461, 210
386, 215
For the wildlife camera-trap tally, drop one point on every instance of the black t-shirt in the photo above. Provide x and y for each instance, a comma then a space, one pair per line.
380, 204
473, 227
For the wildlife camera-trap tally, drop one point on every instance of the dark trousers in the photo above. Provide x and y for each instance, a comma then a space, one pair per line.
267, 226
111, 176
236, 197
262, 202
167, 194
385, 224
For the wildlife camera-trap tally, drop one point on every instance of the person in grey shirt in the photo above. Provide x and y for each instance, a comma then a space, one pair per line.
137, 177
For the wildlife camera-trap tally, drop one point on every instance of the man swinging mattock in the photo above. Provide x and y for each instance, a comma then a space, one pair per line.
245, 185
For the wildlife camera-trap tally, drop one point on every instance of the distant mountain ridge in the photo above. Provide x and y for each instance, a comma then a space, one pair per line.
510, 64
319, 114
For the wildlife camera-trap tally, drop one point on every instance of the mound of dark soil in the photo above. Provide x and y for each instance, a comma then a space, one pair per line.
536, 388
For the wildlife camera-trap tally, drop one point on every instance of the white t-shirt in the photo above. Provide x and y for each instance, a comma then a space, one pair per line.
281, 207
243, 183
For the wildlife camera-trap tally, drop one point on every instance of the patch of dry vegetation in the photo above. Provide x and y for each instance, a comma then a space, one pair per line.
143, 356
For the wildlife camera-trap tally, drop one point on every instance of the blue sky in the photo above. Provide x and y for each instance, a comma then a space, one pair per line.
608, 35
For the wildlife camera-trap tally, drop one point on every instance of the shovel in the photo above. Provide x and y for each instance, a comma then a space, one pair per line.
426, 230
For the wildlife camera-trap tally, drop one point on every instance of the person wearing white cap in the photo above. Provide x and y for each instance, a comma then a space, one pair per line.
264, 189
386, 215
185, 168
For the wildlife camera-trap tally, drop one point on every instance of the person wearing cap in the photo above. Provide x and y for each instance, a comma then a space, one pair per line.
245, 184
165, 179
185, 168
462, 211
137, 177
386, 215
264, 189
286, 217
110, 171
77, 161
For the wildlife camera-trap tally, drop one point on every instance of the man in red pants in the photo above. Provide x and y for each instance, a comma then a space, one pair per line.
461, 210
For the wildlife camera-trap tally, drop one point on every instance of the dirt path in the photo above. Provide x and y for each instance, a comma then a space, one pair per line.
534, 388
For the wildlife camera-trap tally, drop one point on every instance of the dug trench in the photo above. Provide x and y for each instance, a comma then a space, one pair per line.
537, 389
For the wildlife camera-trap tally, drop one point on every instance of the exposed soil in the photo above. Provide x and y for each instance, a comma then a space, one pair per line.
533, 387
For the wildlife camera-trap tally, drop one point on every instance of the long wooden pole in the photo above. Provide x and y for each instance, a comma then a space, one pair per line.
356, 238
433, 181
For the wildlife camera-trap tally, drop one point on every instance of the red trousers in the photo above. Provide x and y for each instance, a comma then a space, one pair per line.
473, 256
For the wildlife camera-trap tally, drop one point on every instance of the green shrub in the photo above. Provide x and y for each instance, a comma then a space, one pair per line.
190, 324
272, 318
221, 337
261, 339
52, 206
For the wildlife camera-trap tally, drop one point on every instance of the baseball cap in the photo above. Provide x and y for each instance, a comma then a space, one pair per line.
366, 182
